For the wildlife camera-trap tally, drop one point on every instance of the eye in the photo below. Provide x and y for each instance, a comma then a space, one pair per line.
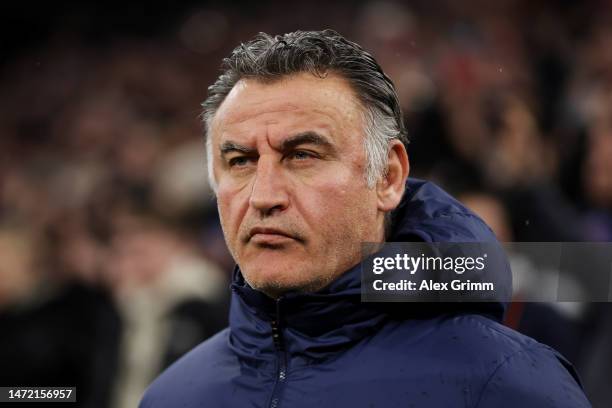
239, 161
301, 155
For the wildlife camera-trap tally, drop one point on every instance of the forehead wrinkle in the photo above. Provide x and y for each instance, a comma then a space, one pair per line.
342, 112
334, 117
235, 118
326, 123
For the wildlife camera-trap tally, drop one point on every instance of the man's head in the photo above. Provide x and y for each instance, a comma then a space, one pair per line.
306, 153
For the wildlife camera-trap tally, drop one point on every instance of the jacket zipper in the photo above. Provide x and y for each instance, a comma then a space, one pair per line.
281, 373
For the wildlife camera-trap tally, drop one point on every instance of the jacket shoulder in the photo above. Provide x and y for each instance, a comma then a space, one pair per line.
518, 371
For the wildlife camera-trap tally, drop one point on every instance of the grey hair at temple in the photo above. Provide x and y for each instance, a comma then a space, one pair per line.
269, 58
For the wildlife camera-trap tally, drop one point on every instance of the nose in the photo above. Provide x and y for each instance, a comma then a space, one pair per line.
269, 191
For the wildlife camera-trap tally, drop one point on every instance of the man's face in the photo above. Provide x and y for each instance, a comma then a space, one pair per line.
289, 163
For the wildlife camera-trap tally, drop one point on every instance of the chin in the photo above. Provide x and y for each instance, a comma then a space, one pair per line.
276, 280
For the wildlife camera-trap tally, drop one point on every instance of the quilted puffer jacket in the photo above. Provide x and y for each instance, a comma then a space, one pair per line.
328, 349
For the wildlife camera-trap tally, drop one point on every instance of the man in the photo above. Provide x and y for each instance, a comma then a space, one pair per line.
306, 153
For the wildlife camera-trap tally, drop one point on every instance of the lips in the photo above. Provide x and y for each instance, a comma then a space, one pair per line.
269, 236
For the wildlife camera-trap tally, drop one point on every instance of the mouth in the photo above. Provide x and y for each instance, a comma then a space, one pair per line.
269, 236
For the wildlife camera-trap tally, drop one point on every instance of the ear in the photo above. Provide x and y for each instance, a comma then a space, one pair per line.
390, 188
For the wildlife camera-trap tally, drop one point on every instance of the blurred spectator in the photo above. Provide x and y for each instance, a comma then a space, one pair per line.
55, 330
169, 298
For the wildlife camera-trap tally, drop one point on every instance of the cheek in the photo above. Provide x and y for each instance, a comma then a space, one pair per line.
341, 207
231, 211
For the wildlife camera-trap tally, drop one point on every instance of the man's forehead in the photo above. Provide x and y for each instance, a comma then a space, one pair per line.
297, 97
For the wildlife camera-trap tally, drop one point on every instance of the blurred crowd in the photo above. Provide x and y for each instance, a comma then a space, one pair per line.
112, 260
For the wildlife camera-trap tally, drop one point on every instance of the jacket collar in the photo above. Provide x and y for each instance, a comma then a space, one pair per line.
312, 324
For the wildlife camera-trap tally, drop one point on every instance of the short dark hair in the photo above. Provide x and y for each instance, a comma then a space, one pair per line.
268, 58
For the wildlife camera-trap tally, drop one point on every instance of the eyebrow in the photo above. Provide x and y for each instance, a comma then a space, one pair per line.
229, 146
305, 138
291, 142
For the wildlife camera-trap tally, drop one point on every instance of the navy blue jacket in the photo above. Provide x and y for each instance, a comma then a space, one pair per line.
327, 349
